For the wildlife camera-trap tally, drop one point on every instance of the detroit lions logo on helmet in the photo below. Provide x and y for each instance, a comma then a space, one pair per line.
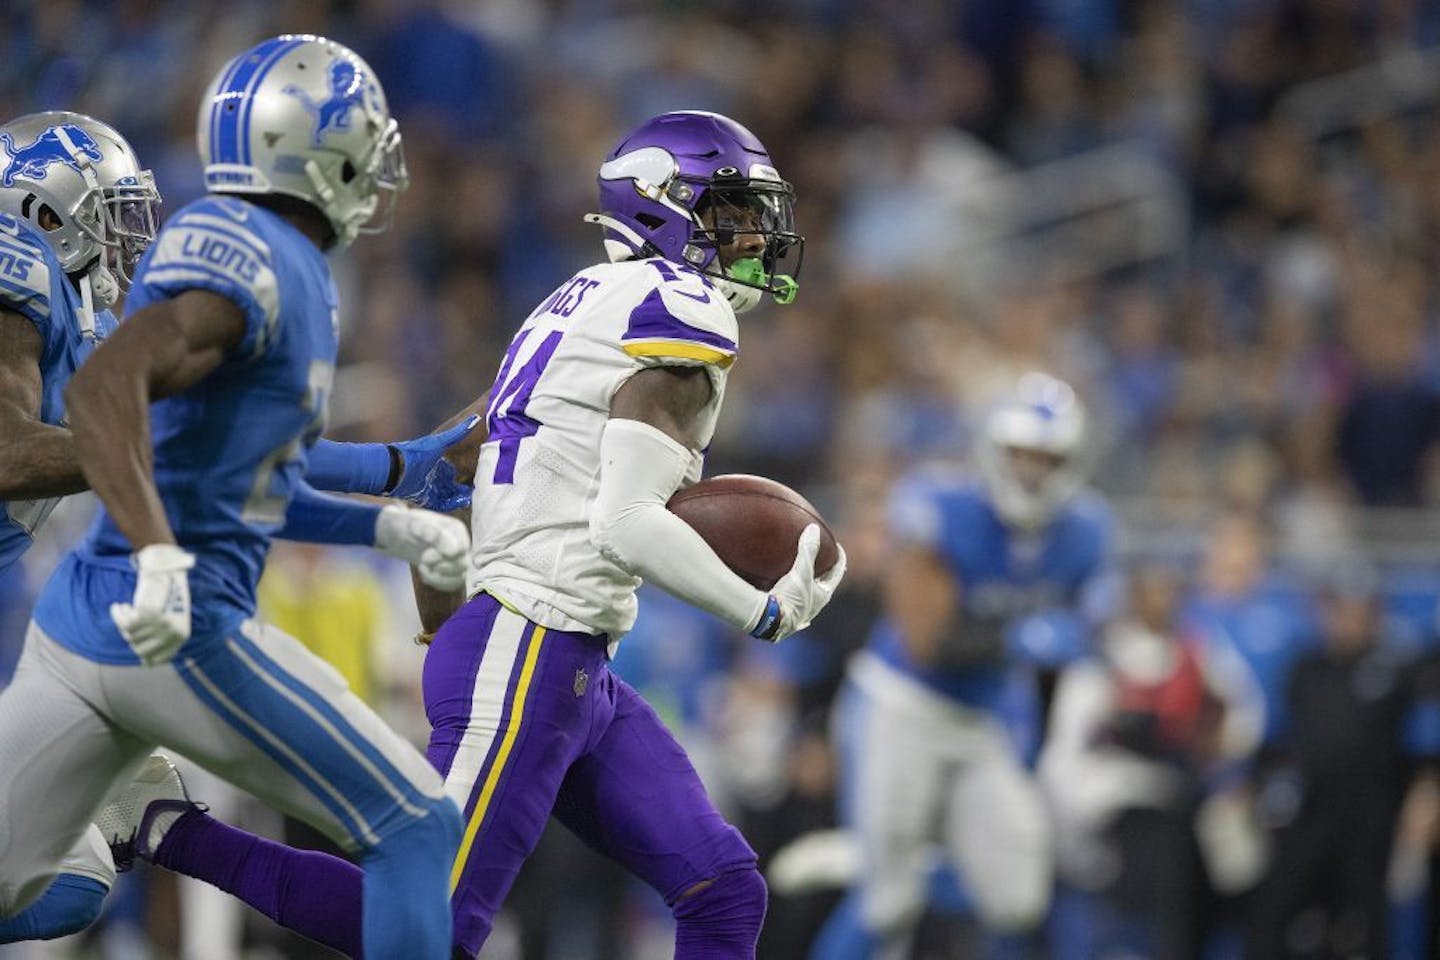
347, 89
32, 160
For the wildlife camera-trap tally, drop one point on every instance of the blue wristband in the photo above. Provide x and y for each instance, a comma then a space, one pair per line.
769, 624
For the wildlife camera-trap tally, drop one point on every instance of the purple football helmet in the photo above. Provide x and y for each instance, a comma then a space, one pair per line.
659, 181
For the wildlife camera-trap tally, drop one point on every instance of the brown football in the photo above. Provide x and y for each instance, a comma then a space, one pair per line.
753, 524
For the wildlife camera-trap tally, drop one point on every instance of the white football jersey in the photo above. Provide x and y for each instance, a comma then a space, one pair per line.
540, 468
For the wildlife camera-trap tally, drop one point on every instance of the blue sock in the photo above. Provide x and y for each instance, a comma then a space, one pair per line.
406, 912
69, 905
844, 937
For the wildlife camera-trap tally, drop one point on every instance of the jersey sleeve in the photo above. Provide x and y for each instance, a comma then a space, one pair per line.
25, 273
681, 320
915, 516
212, 247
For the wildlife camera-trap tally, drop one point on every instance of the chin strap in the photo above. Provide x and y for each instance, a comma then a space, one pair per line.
740, 297
87, 309
99, 290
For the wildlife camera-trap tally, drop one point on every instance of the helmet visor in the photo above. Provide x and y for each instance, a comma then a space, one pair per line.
390, 175
130, 221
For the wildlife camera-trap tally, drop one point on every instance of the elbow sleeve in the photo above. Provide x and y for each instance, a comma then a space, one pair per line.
640, 468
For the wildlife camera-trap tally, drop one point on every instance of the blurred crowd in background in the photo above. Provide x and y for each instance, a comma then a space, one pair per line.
1218, 219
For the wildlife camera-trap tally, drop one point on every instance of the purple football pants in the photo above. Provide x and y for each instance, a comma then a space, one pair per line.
528, 722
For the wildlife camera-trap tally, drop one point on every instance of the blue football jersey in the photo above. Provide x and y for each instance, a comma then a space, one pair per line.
1048, 586
230, 450
33, 285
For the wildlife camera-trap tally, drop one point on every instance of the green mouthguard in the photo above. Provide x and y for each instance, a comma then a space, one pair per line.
750, 270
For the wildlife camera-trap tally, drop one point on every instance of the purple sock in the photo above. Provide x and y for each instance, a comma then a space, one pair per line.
312, 893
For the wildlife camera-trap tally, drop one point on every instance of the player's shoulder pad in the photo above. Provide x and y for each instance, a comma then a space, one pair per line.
680, 317
923, 500
27, 269
1092, 512
1088, 527
219, 244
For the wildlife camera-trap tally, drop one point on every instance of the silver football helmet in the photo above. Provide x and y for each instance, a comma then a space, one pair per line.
1030, 451
79, 184
304, 116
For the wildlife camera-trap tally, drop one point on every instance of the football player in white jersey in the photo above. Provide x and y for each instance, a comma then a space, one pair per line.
602, 408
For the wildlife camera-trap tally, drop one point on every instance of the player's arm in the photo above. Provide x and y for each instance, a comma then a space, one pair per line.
436, 606
922, 600
1065, 632
645, 452
434, 544
37, 459
927, 603
924, 595
401, 469
447, 488
165, 348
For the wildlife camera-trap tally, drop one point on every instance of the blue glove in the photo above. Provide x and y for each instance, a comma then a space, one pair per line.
418, 458
1051, 639
442, 492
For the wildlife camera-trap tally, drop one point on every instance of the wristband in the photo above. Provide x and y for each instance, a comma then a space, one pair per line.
769, 624
397, 469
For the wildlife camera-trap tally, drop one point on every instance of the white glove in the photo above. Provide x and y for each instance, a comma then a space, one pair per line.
432, 543
157, 622
799, 595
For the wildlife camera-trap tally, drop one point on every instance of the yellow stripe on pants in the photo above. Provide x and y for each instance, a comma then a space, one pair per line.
512, 730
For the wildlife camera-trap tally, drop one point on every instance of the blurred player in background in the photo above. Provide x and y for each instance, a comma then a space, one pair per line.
601, 410
990, 576
233, 332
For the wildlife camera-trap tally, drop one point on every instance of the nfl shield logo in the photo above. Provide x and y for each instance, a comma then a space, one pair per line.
582, 680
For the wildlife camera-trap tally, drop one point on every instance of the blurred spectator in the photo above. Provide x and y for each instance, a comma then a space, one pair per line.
1136, 736
1390, 421
444, 79
1335, 805
1243, 607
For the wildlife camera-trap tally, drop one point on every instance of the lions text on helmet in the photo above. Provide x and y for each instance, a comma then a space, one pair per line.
78, 182
1029, 450
304, 117
699, 189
